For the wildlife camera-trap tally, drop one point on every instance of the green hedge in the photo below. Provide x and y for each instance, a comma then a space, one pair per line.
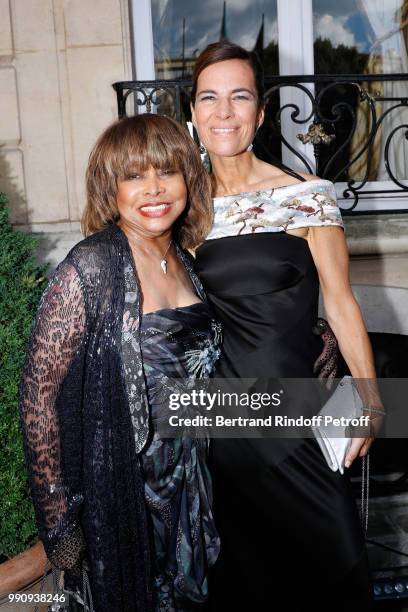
22, 281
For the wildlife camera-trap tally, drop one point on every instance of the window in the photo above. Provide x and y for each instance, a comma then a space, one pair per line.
304, 37
367, 37
183, 28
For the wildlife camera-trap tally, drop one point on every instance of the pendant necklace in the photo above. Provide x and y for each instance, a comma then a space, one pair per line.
163, 262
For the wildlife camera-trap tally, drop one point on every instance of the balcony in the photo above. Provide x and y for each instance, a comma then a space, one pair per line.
351, 129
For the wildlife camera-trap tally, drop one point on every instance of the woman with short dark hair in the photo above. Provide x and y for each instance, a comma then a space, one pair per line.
124, 314
289, 527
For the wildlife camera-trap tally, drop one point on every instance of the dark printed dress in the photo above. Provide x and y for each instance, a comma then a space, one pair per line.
288, 525
178, 343
85, 419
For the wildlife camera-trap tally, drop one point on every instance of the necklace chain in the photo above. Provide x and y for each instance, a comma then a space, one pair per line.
167, 250
163, 261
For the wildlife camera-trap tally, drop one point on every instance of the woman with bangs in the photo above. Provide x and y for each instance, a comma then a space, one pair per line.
122, 314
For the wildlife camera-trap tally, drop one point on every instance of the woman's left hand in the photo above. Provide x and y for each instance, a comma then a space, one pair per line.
360, 446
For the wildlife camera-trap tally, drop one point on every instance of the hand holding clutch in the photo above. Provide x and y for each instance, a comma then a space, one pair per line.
335, 440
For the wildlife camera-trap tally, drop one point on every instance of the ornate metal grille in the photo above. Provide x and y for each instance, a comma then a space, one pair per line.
346, 125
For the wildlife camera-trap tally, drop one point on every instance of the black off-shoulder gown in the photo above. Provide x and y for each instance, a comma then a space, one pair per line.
289, 527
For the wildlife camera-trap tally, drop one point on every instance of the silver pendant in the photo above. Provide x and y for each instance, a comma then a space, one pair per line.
163, 265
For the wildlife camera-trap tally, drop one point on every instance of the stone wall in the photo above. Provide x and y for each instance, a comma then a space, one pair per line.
58, 59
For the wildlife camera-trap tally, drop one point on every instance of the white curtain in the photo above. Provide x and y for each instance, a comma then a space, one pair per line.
385, 17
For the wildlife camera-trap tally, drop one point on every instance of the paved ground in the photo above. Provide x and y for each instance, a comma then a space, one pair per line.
385, 606
388, 526
5, 606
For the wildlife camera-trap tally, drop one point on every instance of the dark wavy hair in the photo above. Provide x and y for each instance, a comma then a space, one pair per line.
138, 143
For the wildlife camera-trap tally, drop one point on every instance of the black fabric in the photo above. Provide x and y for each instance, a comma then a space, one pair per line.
264, 288
80, 443
289, 526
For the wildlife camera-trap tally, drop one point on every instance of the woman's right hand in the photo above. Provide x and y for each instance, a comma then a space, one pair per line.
69, 552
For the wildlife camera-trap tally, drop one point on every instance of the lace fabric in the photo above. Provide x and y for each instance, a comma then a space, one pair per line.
57, 337
80, 440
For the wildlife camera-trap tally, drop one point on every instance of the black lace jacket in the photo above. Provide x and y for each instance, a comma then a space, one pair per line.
85, 419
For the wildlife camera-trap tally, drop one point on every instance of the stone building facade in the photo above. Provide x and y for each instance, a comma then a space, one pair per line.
58, 59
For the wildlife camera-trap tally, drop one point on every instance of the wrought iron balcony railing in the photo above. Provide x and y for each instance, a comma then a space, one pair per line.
357, 126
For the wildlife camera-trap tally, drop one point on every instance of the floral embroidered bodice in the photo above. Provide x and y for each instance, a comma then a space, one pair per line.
304, 204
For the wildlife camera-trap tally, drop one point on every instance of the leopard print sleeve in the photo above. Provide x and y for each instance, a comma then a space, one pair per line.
326, 365
55, 340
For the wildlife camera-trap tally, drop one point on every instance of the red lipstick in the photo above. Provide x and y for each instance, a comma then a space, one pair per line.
155, 210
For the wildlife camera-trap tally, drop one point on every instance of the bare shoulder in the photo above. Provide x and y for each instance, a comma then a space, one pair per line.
309, 177
274, 176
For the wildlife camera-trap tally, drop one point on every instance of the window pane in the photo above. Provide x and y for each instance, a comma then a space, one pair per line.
365, 37
183, 28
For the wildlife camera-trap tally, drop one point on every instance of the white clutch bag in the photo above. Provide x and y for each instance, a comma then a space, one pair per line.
333, 439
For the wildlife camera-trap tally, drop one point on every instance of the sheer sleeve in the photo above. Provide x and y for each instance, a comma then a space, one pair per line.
56, 338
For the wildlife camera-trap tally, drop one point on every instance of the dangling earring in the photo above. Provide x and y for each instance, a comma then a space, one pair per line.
204, 157
251, 145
